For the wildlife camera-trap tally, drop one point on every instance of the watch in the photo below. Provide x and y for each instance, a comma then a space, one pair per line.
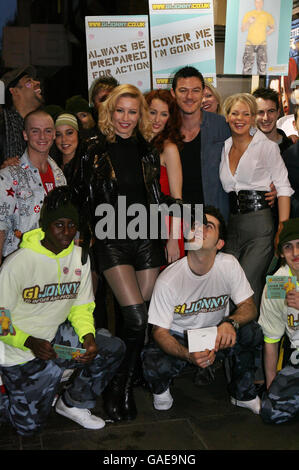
234, 323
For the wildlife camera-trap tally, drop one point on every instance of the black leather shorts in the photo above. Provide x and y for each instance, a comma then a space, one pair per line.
141, 254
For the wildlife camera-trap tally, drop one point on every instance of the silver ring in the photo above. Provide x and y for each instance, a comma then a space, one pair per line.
208, 362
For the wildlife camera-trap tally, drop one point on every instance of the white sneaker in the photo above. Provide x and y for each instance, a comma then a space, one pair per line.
163, 401
253, 405
81, 416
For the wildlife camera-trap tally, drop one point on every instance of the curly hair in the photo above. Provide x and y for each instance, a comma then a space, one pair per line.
172, 127
102, 83
105, 119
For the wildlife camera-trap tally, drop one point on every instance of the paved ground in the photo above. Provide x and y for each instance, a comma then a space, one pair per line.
201, 418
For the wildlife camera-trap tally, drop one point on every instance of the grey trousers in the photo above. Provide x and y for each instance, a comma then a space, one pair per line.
250, 239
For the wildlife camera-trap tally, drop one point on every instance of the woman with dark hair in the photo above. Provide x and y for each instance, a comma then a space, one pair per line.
166, 122
120, 164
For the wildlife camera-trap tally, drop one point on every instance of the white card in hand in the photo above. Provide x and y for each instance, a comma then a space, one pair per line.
202, 338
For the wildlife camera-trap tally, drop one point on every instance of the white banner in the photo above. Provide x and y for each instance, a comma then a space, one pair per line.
118, 46
182, 33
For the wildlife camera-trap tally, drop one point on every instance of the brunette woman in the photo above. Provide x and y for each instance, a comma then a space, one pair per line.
166, 123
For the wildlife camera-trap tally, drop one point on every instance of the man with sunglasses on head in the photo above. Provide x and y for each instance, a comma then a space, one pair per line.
23, 94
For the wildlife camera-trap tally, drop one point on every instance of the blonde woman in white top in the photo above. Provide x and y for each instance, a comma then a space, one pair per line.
249, 164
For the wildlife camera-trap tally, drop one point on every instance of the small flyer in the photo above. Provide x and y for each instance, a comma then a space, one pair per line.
201, 339
67, 352
6, 327
279, 286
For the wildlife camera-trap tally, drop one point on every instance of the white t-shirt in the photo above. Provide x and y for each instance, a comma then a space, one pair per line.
276, 318
182, 300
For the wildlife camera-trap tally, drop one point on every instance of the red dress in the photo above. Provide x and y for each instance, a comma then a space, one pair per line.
164, 183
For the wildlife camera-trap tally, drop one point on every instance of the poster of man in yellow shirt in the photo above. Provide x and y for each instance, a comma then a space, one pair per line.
259, 24
257, 37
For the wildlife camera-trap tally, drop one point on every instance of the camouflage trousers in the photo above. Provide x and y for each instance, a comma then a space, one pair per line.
261, 59
281, 403
245, 357
31, 387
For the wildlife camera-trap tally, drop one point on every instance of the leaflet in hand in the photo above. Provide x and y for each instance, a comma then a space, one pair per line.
200, 339
279, 286
67, 352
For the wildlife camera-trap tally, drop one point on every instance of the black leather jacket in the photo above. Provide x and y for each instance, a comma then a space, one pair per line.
94, 181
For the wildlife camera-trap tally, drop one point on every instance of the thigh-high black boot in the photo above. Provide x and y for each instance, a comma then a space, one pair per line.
119, 401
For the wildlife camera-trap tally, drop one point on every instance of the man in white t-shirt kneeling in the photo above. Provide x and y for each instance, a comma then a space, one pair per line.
195, 292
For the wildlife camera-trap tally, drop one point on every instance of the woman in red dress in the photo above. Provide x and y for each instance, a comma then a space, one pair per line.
166, 122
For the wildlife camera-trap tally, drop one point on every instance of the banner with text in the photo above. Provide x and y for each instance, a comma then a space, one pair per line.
182, 33
118, 46
257, 37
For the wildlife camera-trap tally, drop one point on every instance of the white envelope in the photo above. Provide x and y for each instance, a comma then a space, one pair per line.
200, 339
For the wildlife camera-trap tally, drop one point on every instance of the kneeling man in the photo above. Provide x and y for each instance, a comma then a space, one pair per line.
48, 293
279, 319
194, 293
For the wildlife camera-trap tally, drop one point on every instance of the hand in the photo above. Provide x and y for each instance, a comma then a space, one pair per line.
41, 348
172, 250
292, 299
91, 349
271, 195
203, 359
226, 336
293, 138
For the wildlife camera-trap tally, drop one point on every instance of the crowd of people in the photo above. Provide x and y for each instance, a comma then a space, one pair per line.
72, 180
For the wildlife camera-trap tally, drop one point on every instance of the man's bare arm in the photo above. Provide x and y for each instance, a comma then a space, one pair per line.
171, 346
270, 361
226, 334
245, 312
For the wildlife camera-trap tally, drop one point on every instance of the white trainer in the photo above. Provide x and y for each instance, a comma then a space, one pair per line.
253, 405
163, 401
81, 416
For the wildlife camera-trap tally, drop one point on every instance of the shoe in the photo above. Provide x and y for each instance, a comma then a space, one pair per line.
253, 405
163, 401
79, 415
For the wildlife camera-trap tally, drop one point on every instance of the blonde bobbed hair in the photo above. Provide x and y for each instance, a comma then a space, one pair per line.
108, 107
245, 98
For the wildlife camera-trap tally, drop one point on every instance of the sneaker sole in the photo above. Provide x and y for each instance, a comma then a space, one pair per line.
235, 402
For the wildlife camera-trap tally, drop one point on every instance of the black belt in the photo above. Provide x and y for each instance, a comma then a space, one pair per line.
247, 201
